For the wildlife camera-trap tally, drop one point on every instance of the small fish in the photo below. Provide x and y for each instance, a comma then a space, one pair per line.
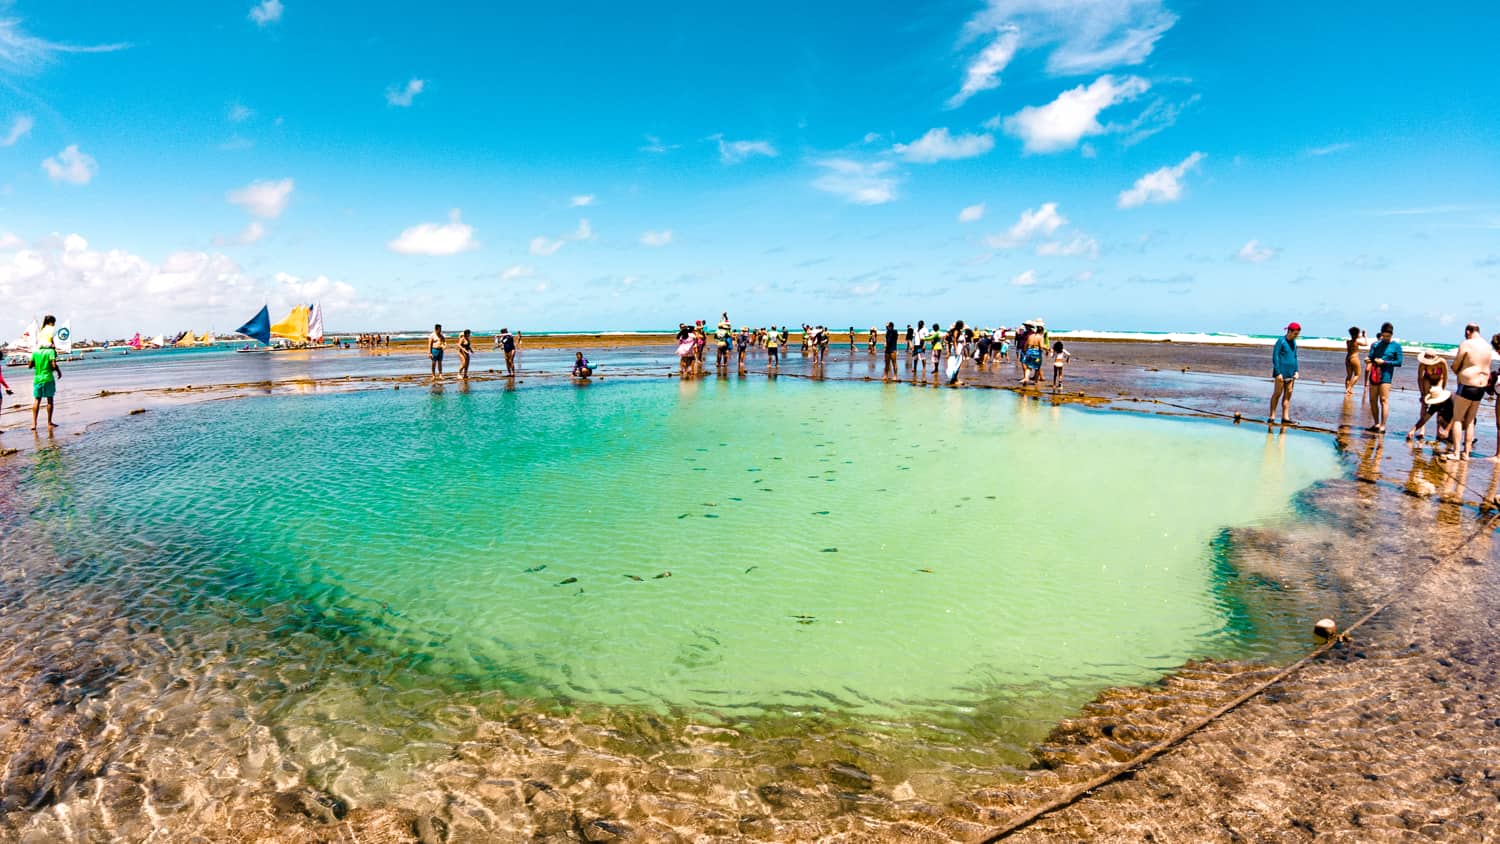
929, 571
536, 568
636, 578
808, 617
567, 580
732, 498
752, 568
820, 512
807, 621
709, 504
830, 550
660, 576
684, 515
710, 515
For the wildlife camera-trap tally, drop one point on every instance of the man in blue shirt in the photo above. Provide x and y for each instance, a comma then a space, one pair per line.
1385, 356
1284, 373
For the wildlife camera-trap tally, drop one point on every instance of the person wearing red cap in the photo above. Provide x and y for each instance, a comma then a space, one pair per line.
1284, 373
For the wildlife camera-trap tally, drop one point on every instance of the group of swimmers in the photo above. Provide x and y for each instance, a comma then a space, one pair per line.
1374, 365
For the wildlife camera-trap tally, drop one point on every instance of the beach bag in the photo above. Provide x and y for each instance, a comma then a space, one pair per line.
1375, 374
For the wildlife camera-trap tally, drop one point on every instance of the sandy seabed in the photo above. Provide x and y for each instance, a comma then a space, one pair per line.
113, 730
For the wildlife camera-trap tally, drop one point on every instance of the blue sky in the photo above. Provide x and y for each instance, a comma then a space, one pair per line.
1119, 164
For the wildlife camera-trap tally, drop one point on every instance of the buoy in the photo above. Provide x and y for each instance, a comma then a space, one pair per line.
1325, 628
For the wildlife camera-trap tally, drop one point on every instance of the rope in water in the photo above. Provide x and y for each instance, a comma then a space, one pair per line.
1078, 792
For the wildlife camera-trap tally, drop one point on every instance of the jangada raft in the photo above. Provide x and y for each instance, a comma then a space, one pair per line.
300, 329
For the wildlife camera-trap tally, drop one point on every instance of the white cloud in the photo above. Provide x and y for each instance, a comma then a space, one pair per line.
10, 242
1085, 37
1078, 245
733, 152
655, 145
402, 97
266, 12
862, 183
661, 238
584, 231
983, 72
336, 296
1330, 149
938, 145
448, 238
239, 113
1062, 123
251, 234
71, 166
21, 52
19, 129
581, 201
517, 271
1025, 279
1164, 185
265, 198
871, 137
1254, 253
971, 213
543, 246
1034, 222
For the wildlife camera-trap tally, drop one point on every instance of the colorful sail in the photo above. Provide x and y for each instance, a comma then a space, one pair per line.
294, 327
62, 339
259, 326
135, 342
185, 340
315, 324
206, 337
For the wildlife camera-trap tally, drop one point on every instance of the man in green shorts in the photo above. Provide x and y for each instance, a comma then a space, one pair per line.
44, 383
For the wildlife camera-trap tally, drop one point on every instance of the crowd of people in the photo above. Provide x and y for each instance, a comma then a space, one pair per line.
930, 350
1374, 365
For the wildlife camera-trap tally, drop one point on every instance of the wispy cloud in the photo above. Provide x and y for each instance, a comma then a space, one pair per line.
403, 97
1424, 210
1164, 185
971, 213
1024, 279
239, 113
1368, 262
543, 246
859, 182
266, 12
1077, 246
654, 145
581, 201
584, 230
938, 145
22, 52
733, 152
19, 128
448, 238
1254, 252
1330, 149
661, 238
1084, 37
518, 271
71, 166
265, 199
983, 73
1062, 123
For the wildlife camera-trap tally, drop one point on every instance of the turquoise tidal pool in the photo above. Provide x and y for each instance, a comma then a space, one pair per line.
716, 548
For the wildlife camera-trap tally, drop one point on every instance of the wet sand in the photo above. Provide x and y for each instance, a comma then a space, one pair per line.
113, 732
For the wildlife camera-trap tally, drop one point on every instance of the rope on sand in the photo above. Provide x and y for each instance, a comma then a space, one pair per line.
1078, 792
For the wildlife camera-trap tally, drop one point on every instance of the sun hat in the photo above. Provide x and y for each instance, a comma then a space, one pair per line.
1429, 358
1436, 395
1294, 326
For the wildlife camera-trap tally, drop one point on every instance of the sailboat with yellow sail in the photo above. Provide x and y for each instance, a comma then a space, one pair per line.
302, 328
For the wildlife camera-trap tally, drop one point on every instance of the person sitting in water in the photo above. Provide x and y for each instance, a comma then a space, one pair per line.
581, 367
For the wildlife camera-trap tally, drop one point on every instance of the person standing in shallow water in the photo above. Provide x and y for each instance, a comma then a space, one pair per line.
1385, 356
435, 344
44, 382
1351, 361
1471, 365
892, 343
1284, 372
465, 351
507, 343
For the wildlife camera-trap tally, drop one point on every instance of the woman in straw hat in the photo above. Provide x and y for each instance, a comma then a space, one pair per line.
1432, 371
1437, 401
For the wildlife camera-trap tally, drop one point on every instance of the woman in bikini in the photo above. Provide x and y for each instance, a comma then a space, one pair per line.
1352, 366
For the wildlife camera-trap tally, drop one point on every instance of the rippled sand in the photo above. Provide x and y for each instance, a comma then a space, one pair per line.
112, 732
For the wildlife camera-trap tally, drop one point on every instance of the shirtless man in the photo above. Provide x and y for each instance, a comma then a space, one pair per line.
435, 343
1472, 364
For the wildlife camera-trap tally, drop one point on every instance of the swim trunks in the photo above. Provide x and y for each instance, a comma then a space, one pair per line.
437, 354
1470, 392
45, 390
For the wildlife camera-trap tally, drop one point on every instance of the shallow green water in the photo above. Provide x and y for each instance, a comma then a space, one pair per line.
866, 549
